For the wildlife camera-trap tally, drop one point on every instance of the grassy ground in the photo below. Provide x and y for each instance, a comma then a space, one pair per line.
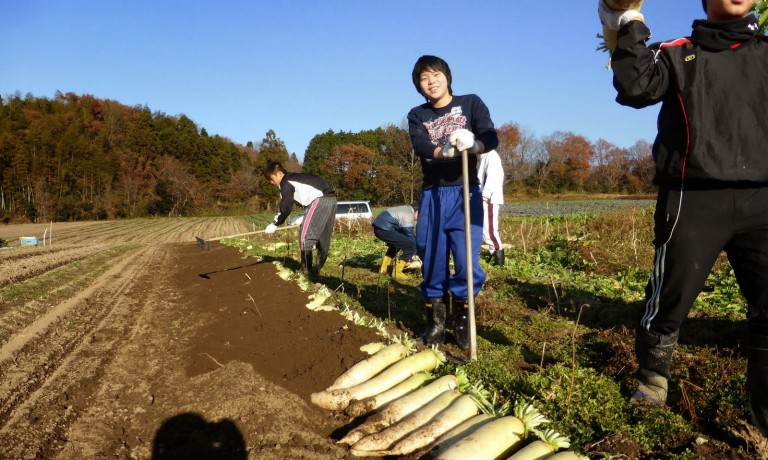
555, 328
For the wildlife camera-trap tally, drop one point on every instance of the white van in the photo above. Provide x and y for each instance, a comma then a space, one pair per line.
344, 210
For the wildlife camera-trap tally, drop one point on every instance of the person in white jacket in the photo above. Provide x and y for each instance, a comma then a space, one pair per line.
490, 172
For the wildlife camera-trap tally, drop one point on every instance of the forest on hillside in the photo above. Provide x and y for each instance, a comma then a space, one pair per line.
76, 157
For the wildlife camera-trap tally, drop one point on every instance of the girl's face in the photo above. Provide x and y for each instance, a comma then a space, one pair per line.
725, 10
434, 86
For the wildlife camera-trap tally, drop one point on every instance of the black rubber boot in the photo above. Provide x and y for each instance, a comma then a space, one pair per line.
757, 380
498, 257
653, 352
447, 300
435, 311
306, 262
321, 258
461, 322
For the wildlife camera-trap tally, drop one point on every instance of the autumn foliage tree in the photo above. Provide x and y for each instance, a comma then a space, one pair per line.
349, 170
78, 157
568, 161
398, 176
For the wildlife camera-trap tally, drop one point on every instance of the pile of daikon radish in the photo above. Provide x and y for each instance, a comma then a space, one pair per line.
408, 407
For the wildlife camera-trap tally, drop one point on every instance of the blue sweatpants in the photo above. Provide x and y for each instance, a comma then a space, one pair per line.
440, 233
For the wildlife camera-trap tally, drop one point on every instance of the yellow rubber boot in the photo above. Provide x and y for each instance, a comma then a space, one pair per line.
397, 270
385, 264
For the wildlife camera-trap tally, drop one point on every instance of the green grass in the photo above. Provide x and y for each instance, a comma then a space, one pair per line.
555, 327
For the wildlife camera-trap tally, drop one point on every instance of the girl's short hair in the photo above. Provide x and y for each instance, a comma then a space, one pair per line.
434, 63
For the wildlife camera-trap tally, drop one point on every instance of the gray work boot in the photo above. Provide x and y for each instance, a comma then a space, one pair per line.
652, 388
654, 352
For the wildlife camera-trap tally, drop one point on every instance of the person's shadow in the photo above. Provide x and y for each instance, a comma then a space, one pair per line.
188, 436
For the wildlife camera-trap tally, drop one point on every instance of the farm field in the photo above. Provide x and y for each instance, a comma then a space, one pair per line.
124, 339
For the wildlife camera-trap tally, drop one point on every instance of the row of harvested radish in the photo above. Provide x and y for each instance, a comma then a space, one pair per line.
409, 408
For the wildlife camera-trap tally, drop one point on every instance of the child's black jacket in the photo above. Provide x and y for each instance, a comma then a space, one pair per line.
713, 123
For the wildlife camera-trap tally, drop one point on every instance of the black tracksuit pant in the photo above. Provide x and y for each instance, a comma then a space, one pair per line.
692, 227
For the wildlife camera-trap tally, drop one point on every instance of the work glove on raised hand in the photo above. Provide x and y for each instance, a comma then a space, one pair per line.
271, 228
613, 19
614, 14
463, 139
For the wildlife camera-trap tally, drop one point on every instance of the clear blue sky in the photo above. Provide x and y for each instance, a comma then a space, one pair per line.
241, 68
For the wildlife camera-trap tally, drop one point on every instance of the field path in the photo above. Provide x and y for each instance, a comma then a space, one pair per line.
125, 340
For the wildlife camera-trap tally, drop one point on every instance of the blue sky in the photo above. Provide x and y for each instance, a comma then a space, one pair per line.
241, 68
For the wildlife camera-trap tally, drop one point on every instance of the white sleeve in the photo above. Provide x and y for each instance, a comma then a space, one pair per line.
494, 180
482, 169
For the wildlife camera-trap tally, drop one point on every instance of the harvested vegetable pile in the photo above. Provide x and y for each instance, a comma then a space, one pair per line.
400, 404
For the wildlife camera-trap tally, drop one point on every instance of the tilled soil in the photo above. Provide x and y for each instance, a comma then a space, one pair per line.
177, 352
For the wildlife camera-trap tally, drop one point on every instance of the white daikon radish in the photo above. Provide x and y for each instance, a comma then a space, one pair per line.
362, 407
399, 408
368, 368
550, 442
425, 360
375, 444
460, 410
373, 347
460, 431
488, 442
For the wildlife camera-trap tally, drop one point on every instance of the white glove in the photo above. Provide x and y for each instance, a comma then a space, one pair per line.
463, 139
271, 228
615, 19
448, 151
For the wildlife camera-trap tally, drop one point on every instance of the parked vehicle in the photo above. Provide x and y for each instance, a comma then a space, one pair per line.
344, 210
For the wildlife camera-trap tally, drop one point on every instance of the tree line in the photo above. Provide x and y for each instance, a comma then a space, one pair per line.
77, 157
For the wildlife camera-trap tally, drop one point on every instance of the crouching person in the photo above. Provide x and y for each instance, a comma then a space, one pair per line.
395, 228
318, 197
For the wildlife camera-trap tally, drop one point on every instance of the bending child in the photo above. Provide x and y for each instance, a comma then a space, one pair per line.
319, 198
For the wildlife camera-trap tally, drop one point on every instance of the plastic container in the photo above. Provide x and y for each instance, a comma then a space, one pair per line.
28, 241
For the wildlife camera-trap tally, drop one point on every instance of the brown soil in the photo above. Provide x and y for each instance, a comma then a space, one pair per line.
175, 352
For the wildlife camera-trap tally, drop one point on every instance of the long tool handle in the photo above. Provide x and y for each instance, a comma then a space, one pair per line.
470, 258
249, 233
204, 243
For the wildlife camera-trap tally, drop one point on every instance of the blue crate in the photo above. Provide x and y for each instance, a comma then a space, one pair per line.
28, 241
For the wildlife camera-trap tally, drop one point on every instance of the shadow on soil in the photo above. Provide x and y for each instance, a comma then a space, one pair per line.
189, 436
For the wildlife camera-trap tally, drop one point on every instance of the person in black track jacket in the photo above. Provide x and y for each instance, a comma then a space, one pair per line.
319, 198
712, 177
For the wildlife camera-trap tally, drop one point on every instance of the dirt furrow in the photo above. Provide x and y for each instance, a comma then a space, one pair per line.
14, 271
29, 251
51, 369
148, 230
23, 302
117, 231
